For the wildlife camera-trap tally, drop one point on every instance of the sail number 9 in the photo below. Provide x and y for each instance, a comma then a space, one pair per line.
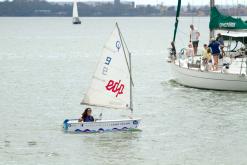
107, 63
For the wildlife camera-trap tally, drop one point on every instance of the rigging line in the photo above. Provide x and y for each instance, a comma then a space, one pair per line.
128, 64
122, 41
235, 9
192, 12
182, 32
182, 40
228, 9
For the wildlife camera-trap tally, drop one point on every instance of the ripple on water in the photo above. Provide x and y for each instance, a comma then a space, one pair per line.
6, 143
52, 154
32, 143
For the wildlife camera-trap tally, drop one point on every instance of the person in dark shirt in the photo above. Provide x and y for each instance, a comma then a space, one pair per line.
86, 116
215, 51
221, 41
173, 49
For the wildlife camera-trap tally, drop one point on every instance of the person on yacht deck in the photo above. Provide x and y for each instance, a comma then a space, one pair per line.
173, 49
220, 39
194, 38
190, 53
206, 56
215, 50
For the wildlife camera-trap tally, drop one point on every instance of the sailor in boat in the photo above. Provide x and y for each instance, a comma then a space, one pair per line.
206, 57
190, 53
215, 50
173, 53
220, 39
194, 38
86, 116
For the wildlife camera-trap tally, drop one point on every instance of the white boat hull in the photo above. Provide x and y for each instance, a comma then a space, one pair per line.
72, 125
209, 80
76, 20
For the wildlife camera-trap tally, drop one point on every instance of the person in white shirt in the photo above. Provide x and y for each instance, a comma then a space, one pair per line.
190, 53
194, 38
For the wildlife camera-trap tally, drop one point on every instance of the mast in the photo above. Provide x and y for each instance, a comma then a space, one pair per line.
131, 97
128, 65
212, 4
176, 23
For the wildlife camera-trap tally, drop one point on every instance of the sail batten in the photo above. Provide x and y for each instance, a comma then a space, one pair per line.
111, 84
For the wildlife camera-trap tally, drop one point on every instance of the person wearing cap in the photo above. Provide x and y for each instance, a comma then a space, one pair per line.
86, 116
215, 51
194, 38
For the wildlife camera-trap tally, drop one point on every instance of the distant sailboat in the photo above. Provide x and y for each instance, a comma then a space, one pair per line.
111, 87
76, 19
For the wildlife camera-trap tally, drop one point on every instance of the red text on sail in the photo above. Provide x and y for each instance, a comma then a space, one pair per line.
115, 87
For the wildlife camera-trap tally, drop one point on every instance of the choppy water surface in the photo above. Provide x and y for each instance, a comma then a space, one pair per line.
46, 65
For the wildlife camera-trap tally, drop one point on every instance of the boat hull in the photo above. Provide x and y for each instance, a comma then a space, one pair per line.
76, 20
72, 125
209, 80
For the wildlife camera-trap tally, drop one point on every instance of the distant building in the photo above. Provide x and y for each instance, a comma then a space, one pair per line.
117, 2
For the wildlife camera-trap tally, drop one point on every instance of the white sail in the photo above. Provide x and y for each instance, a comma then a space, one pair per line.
75, 9
110, 86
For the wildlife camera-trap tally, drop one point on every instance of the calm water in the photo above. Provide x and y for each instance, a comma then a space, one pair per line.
46, 65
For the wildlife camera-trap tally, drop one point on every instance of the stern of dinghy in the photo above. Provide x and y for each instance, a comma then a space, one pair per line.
66, 125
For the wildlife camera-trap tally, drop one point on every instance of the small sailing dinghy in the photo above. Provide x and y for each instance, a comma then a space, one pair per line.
76, 19
111, 87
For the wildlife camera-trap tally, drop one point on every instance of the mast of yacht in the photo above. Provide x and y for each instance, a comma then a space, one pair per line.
211, 34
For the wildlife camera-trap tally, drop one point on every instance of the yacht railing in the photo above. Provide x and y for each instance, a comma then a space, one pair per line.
198, 63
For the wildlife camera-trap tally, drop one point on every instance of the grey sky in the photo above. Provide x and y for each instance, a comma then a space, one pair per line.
174, 2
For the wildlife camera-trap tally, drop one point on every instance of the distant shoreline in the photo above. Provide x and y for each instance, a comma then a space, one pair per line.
55, 16
113, 8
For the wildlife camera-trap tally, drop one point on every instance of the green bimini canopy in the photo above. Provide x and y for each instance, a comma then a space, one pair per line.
219, 21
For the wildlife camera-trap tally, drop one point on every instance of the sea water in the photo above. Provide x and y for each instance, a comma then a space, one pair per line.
46, 65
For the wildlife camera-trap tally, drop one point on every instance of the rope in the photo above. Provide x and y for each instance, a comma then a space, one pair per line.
192, 4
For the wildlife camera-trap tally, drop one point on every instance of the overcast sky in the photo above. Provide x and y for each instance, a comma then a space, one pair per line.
174, 2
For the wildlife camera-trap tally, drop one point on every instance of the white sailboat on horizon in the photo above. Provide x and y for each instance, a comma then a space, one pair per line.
76, 19
111, 87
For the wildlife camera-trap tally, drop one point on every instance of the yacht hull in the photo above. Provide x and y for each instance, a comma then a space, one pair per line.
209, 80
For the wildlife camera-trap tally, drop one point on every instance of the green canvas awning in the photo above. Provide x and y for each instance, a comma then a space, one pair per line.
219, 21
